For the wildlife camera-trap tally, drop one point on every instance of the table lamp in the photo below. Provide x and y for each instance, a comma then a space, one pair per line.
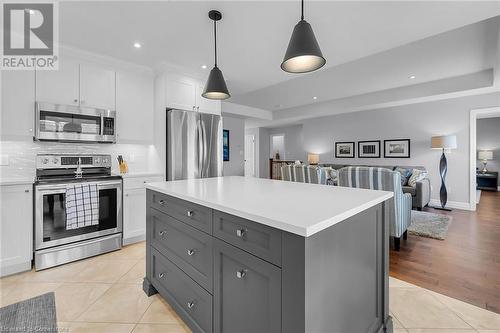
484, 156
313, 159
443, 142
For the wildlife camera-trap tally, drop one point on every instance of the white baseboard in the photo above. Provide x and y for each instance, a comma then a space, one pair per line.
134, 239
6, 270
451, 204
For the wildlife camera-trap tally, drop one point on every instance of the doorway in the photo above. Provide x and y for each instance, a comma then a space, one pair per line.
250, 155
477, 144
277, 146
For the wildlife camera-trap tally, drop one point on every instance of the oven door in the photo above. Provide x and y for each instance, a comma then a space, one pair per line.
50, 214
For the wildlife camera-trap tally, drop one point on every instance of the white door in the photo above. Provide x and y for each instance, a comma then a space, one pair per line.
134, 215
16, 229
206, 105
60, 86
181, 93
250, 155
97, 87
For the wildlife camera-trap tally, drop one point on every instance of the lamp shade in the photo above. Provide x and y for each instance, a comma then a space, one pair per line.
303, 53
215, 87
444, 142
485, 155
313, 158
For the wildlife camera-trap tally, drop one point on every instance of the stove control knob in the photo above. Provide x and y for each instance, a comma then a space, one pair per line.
97, 161
45, 160
55, 161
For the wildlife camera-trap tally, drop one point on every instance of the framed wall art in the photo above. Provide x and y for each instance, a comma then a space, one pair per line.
225, 145
399, 148
369, 149
344, 149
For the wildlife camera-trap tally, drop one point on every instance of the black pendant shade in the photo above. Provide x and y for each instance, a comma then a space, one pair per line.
303, 53
215, 88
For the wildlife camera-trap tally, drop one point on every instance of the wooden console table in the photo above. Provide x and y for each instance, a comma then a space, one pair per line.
487, 181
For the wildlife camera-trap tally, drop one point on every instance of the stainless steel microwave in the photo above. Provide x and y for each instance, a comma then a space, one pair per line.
67, 123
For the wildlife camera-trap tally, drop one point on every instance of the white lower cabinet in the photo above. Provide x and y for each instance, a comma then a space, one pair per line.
16, 228
134, 208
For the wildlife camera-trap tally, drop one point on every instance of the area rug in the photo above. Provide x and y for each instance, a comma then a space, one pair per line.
429, 225
37, 314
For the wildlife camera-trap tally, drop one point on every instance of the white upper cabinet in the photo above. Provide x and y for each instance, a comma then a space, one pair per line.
206, 105
181, 93
134, 107
17, 103
59, 86
184, 93
97, 87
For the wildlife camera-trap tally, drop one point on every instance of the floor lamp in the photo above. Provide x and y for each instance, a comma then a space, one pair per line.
443, 142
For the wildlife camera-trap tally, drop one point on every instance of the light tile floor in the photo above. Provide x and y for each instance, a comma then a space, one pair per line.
104, 295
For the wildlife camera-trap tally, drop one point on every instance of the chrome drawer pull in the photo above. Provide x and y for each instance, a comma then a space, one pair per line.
162, 233
191, 304
191, 252
161, 202
190, 213
241, 274
241, 232
161, 275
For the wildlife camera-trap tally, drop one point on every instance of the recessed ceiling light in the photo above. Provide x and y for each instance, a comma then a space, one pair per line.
315, 97
137, 45
412, 77
204, 66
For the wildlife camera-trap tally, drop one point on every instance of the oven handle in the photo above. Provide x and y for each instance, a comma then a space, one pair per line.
62, 187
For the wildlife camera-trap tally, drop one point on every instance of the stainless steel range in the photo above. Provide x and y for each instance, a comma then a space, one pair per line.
56, 242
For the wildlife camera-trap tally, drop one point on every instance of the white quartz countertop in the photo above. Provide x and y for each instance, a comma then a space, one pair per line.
302, 209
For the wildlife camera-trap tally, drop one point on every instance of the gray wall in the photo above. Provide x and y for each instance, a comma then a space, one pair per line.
236, 164
488, 138
417, 122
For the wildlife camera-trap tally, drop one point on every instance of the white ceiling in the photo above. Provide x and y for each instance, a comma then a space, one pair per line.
466, 50
254, 34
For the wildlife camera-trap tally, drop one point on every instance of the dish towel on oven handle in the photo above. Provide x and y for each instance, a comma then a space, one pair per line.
82, 205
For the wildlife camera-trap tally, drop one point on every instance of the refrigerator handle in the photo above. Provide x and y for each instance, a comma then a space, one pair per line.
200, 148
206, 163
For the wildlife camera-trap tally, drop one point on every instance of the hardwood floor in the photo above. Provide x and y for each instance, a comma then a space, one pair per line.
466, 265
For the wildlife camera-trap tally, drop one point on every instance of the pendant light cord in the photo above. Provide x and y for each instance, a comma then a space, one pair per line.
215, 40
302, 15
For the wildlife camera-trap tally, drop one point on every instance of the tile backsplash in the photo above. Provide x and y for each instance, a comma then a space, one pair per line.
18, 157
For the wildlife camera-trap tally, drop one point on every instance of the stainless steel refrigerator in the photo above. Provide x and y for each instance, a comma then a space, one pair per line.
194, 145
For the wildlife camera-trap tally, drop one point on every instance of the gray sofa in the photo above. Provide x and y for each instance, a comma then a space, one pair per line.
420, 194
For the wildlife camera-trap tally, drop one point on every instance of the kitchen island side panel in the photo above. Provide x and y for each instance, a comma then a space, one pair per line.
346, 276
147, 286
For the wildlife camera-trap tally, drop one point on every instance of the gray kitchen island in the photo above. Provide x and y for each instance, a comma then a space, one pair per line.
250, 255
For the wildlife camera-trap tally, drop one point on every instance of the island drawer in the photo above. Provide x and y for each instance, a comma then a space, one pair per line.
187, 247
191, 302
195, 215
258, 239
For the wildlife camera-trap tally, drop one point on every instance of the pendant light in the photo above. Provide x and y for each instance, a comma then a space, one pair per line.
215, 87
303, 53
